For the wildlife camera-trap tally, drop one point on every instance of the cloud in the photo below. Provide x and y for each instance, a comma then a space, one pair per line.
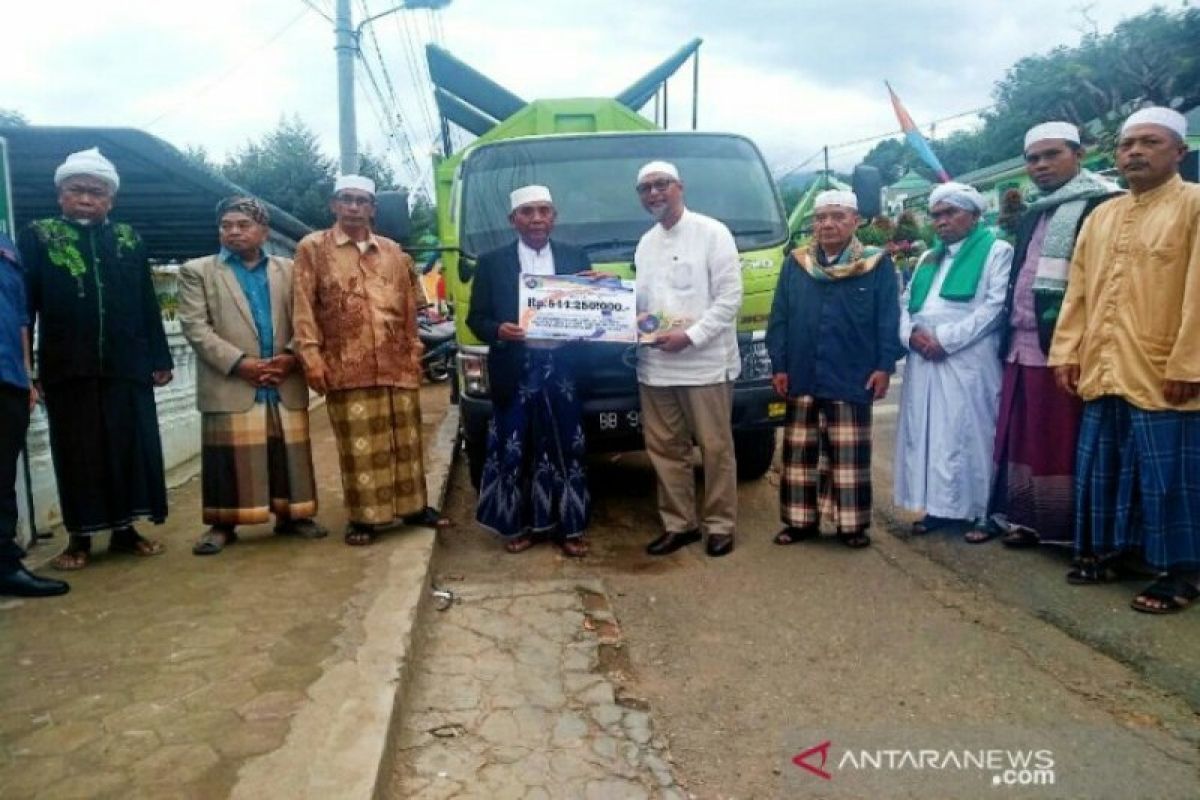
793, 76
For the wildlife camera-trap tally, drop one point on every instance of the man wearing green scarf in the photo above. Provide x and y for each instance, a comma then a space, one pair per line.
950, 319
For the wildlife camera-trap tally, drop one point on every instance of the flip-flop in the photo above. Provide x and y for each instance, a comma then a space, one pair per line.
213, 541
1173, 594
792, 534
519, 544
358, 537
574, 548
855, 541
70, 561
141, 547
979, 535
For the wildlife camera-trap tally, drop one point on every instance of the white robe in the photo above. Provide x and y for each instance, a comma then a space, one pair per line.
948, 408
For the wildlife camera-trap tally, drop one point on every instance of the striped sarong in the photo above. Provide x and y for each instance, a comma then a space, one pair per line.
826, 464
1137, 484
378, 432
256, 463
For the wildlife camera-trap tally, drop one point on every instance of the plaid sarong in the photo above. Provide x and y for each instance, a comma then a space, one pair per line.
826, 464
256, 463
1137, 484
378, 432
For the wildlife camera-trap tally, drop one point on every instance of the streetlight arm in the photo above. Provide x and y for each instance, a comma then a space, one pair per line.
432, 5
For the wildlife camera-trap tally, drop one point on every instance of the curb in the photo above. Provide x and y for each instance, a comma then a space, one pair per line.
338, 747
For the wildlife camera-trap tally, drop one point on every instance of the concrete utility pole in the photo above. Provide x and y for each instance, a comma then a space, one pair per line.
347, 48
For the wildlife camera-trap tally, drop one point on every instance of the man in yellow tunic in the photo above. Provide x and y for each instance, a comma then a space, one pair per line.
1128, 343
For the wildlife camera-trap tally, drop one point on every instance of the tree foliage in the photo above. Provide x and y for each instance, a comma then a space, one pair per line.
288, 168
11, 118
1151, 58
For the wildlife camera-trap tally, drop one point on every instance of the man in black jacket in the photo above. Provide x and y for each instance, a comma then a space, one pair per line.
1038, 423
101, 352
534, 485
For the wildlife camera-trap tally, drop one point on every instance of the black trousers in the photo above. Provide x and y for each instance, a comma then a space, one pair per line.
14, 420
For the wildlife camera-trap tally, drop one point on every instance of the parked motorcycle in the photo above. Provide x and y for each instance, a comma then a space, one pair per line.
437, 334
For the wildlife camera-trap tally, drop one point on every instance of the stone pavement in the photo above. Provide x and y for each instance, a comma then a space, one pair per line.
188, 677
516, 695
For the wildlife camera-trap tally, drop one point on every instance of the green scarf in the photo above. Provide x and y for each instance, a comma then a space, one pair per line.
965, 272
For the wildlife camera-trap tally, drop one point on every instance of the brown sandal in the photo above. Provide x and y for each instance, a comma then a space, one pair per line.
519, 544
576, 547
71, 560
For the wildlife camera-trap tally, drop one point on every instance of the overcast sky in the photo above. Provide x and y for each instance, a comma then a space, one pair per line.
792, 75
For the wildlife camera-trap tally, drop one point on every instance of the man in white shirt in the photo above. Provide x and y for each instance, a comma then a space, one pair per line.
689, 289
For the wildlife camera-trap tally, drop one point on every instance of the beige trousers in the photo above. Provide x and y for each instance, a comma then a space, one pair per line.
672, 416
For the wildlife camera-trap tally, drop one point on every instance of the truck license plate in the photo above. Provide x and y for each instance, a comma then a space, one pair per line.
618, 421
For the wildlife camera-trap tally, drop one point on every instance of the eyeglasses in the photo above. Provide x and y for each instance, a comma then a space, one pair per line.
354, 199
99, 192
656, 185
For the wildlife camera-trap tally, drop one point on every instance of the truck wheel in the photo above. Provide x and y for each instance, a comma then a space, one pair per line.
755, 450
476, 454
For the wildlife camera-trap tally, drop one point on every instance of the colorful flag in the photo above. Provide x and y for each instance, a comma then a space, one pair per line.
915, 139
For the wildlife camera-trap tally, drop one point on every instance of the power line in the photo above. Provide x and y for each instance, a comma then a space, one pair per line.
416, 70
392, 130
255, 53
877, 137
318, 9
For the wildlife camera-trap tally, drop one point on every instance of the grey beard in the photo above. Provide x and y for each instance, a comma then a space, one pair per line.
659, 212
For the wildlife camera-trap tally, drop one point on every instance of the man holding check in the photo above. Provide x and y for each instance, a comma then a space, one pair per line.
534, 485
689, 277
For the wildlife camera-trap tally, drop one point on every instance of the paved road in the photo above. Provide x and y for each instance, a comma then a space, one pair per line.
743, 661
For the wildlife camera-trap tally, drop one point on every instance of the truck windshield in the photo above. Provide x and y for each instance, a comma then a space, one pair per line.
592, 181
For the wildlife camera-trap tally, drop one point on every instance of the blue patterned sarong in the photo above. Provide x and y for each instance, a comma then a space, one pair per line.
1137, 484
533, 478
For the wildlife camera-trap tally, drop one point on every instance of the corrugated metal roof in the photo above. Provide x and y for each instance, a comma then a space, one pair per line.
167, 198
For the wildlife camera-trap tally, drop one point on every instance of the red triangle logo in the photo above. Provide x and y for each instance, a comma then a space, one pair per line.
801, 760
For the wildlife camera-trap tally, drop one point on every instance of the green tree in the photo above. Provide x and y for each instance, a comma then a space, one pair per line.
1148, 58
287, 168
891, 157
11, 118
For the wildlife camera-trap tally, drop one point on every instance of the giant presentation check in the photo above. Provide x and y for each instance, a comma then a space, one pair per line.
568, 307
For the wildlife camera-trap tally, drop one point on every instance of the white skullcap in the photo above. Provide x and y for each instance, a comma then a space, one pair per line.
665, 167
354, 182
1051, 130
958, 194
88, 162
1157, 115
530, 194
836, 197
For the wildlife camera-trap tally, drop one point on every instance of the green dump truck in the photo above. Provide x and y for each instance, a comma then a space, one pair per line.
588, 151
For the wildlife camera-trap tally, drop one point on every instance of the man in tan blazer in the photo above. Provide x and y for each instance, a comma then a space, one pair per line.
236, 311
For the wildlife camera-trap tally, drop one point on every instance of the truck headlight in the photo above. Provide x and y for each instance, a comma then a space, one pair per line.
472, 372
755, 361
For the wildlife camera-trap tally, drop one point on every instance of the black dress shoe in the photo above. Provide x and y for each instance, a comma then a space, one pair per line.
670, 542
20, 582
719, 544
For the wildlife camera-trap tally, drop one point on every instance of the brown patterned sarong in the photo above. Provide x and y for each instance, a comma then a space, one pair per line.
378, 432
255, 463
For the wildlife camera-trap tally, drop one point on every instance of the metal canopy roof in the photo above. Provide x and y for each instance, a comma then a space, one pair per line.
168, 199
